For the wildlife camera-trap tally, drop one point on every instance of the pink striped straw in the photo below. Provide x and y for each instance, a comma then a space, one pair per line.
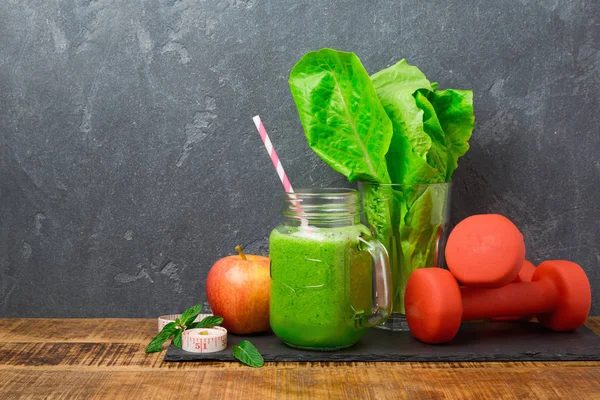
287, 186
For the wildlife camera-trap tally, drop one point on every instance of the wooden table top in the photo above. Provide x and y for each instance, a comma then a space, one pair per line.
104, 358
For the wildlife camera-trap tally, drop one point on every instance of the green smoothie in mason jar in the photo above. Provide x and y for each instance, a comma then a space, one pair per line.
321, 273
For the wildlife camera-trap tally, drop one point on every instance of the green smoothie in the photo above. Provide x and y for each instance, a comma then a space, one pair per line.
320, 286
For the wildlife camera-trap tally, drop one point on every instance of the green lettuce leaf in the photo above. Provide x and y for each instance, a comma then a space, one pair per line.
454, 110
437, 156
419, 232
407, 155
376, 200
344, 122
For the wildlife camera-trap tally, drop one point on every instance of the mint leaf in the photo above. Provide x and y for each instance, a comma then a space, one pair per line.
190, 314
207, 322
175, 329
156, 343
177, 338
248, 354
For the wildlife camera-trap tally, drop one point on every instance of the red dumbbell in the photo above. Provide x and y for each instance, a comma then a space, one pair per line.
485, 250
559, 296
525, 275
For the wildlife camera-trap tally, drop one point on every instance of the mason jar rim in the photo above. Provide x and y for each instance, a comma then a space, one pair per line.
326, 207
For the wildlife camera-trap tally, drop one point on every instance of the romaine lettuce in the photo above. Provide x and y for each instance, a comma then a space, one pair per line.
394, 127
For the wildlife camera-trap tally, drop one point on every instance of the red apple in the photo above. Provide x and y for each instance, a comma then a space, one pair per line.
238, 290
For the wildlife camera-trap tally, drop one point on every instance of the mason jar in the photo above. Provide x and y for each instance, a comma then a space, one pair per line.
330, 280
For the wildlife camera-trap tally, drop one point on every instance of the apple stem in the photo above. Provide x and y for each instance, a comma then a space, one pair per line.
241, 252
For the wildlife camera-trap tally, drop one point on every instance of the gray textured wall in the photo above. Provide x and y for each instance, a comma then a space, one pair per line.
129, 162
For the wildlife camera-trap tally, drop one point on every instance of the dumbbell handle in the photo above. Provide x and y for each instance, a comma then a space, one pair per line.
514, 299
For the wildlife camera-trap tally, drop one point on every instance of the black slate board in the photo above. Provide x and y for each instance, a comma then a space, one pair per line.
506, 341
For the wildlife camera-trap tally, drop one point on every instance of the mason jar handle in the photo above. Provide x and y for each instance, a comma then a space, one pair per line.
382, 284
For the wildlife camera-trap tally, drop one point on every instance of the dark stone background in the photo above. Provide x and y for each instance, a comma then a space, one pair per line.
129, 162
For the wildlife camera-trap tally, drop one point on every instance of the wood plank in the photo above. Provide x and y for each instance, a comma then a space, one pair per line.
594, 324
101, 330
91, 358
131, 355
338, 383
92, 330
93, 343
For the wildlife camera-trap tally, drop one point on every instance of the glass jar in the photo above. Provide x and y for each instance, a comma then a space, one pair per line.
325, 289
412, 221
